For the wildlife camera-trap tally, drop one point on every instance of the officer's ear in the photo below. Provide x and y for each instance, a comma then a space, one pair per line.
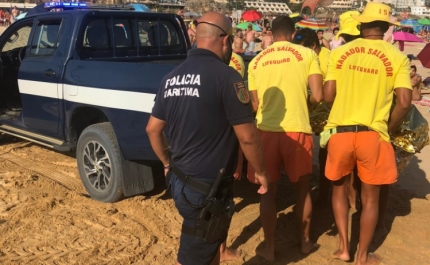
226, 40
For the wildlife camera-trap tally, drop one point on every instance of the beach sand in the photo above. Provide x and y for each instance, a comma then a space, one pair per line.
46, 217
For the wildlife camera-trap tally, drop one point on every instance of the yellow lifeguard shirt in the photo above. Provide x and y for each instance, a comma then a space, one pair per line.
323, 56
366, 73
280, 74
237, 63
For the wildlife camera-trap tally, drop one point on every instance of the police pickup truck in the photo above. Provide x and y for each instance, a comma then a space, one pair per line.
86, 80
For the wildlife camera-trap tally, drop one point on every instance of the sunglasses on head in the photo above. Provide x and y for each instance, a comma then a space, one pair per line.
230, 37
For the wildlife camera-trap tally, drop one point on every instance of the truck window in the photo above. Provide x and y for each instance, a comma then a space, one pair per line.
158, 34
18, 39
102, 37
45, 38
95, 42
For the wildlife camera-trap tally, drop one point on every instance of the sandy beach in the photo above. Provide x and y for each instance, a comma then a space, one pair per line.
46, 217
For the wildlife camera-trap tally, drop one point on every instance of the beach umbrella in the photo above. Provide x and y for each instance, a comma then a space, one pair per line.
424, 21
424, 56
312, 24
406, 37
411, 23
251, 15
244, 26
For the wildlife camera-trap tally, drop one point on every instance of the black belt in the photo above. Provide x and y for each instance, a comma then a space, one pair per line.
352, 128
191, 182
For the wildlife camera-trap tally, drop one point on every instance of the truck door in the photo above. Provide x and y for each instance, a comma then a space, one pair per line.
40, 74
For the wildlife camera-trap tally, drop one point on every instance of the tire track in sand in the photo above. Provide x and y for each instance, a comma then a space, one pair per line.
46, 170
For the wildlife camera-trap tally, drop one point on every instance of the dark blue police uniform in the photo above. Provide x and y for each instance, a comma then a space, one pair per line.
200, 101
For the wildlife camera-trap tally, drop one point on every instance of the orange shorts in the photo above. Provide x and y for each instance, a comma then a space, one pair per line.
293, 150
373, 156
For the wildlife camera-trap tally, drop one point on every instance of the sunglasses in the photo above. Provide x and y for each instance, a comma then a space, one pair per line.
230, 37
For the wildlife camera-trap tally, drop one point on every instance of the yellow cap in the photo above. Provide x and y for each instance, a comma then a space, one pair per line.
348, 26
375, 12
346, 15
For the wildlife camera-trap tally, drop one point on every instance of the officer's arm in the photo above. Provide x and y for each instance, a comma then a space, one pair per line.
403, 104
155, 131
250, 143
329, 92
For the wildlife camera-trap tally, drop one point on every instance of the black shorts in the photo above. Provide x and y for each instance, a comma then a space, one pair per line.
192, 250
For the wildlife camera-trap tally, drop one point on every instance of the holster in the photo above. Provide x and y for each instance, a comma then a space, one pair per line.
214, 216
213, 221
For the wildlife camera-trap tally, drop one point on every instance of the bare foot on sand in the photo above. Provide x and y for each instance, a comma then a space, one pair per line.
308, 247
338, 254
230, 254
372, 259
266, 254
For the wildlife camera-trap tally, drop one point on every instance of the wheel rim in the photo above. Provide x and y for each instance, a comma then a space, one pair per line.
97, 166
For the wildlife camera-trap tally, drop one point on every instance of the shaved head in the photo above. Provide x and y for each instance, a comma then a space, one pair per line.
208, 22
214, 33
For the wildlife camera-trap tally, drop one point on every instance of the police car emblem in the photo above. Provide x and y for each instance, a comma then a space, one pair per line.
242, 92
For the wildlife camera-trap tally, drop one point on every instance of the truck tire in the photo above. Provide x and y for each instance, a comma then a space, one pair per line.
100, 163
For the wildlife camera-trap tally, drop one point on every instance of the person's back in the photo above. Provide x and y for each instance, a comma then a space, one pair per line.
192, 96
361, 95
237, 63
283, 68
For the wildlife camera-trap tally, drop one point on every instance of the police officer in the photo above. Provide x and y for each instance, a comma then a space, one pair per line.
206, 107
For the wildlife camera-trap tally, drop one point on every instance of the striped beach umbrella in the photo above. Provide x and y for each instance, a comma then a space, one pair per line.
411, 23
312, 23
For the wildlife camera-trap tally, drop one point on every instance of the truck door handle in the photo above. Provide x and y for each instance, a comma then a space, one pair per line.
49, 73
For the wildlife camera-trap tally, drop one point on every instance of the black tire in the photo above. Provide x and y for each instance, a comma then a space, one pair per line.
100, 163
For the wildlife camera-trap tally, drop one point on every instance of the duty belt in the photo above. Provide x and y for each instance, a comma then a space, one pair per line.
191, 182
352, 128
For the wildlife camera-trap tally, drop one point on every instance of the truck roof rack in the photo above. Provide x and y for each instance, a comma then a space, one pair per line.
73, 6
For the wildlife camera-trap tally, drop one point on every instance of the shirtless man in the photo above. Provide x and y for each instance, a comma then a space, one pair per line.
250, 35
416, 84
267, 39
238, 42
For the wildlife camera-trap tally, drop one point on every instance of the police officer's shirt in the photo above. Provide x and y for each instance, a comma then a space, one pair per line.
200, 101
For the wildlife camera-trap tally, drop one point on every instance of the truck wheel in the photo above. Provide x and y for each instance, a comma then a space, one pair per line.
100, 163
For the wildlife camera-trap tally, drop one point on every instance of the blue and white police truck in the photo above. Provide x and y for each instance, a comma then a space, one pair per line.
85, 80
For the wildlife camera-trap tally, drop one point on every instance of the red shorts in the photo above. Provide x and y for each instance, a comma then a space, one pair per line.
293, 150
374, 157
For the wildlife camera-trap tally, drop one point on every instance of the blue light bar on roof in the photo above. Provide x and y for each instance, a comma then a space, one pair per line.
64, 5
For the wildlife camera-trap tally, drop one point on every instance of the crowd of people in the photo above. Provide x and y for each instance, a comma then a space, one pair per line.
8, 16
355, 74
